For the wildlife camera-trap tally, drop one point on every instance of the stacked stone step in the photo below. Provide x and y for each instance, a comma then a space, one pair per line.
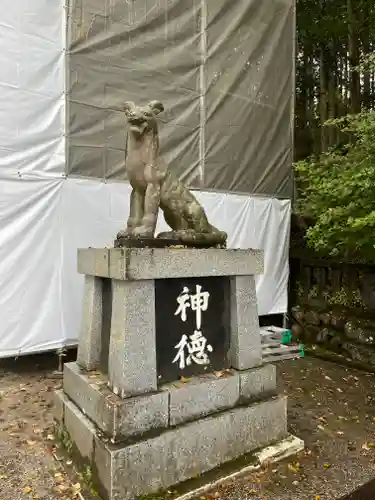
273, 350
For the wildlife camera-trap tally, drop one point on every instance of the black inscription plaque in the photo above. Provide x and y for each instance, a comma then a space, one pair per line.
192, 326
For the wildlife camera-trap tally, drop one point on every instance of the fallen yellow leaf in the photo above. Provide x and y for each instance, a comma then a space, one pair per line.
59, 478
293, 468
60, 488
27, 489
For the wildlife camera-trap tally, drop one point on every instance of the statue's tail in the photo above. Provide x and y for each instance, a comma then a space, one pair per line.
213, 237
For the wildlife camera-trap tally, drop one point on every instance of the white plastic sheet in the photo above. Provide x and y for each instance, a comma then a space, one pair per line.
32, 100
31, 266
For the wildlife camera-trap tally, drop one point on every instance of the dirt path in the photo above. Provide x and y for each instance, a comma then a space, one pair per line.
28, 467
330, 407
333, 409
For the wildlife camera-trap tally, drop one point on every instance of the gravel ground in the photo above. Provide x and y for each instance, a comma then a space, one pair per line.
332, 408
31, 467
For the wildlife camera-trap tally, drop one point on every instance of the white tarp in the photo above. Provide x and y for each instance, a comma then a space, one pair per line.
45, 217
32, 76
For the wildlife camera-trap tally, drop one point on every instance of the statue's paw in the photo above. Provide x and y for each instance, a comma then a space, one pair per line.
125, 233
142, 232
166, 235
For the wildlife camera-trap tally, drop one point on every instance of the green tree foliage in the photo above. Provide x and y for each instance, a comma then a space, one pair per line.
337, 188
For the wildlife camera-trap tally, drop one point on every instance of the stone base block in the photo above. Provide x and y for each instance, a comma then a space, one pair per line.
172, 405
257, 382
201, 397
172, 456
117, 418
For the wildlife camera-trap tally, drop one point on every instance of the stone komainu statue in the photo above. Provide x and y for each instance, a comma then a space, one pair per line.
154, 186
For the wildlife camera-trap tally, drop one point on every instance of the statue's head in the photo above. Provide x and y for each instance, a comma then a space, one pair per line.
142, 118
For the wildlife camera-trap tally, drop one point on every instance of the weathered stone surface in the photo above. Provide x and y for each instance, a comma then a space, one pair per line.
161, 263
189, 450
58, 405
297, 331
298, 313
312, 318
85, 391
117, 418
368, 290
80, 429
258, 382
89, 347
246, 349
154, 185
356, 333
93, 261
360, 353
325, 318
201, 397
324, 335
310, 332
338, 320
141, 414
132, 350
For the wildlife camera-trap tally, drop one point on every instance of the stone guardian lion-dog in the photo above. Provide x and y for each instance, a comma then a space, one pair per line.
154, 186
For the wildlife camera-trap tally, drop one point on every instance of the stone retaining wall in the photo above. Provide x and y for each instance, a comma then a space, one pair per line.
333, 307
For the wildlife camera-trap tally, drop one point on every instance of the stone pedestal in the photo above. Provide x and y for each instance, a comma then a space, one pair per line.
169, 381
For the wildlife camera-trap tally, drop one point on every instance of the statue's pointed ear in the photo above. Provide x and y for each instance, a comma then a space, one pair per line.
128, 106
156, 107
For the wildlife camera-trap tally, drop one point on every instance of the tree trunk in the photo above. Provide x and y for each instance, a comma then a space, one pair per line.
323, 99
332, 93
365, 38
353, 41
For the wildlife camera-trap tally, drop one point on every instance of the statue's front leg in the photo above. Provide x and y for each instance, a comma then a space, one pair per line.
136, 212
151, 210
